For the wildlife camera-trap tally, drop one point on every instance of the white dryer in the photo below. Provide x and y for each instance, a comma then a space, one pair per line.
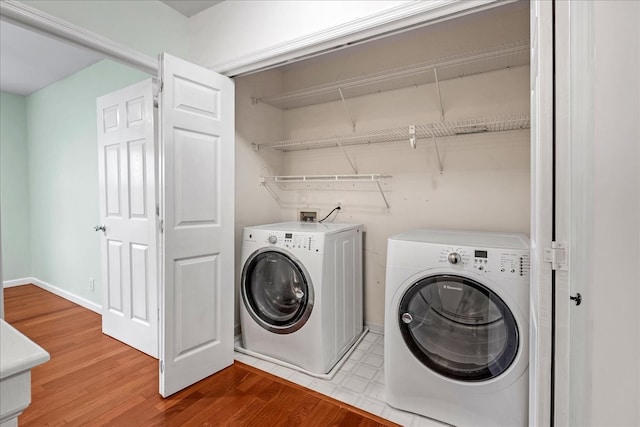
457, 326
301, 289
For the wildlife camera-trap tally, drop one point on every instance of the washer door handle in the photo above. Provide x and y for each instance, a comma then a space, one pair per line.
406, 318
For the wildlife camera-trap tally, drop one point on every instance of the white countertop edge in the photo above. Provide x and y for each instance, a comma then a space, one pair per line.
17, 352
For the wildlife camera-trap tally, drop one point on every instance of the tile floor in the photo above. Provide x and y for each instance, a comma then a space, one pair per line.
359, 382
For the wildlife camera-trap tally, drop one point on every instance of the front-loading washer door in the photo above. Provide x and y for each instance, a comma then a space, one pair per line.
458, 328
277, 291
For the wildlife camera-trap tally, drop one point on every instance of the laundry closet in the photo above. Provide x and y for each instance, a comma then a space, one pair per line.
426, 128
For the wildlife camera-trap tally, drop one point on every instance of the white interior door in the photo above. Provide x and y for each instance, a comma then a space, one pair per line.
128, 215
197, 181
540, 349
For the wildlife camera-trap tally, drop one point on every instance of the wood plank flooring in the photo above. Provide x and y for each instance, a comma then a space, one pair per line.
95, 380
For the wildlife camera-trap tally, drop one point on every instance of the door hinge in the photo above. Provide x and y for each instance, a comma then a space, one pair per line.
161, 366
161, 225
557, 256
158, 315
156, 97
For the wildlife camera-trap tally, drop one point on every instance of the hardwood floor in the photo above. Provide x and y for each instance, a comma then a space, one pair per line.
94, 380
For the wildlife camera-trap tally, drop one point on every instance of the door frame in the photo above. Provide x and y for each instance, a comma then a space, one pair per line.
422, 13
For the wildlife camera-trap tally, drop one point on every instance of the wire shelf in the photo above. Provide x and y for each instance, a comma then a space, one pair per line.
423, 131
358, 182
476, 62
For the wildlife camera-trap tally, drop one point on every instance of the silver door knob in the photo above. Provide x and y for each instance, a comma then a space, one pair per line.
454, 258
100, 228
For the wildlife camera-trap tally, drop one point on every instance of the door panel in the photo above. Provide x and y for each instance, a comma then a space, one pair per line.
140, 283
196, 167
114, 276
137, 179
127, 204
192, 277
197, 157
112, 169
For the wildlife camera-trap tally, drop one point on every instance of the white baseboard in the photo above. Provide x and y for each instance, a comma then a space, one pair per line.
17, 282
375, 328
83, 302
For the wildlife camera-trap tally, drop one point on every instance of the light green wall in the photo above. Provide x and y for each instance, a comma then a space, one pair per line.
63, 172
148, 26
14, 193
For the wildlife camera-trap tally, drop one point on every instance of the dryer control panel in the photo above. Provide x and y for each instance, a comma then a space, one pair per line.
482, 261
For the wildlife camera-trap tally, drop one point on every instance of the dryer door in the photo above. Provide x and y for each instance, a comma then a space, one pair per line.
277, 291
458, 328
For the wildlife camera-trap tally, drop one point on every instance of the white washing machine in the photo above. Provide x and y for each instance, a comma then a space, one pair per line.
457, 326
301, 289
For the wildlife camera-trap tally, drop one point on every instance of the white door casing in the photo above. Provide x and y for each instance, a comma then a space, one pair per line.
126, 165
540, 323
197, 210
564, 221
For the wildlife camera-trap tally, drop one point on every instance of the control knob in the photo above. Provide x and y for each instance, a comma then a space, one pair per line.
273, 239
454, 258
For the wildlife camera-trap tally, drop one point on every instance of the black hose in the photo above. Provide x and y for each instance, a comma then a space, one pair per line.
337, 208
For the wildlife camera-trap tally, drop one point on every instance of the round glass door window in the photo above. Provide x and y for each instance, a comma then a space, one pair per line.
458, 328
276, 291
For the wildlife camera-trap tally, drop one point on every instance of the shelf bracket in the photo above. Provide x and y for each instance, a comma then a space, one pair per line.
435, 73
353, 166
270, 191
346, 108
412, 136
435, 144
386, 202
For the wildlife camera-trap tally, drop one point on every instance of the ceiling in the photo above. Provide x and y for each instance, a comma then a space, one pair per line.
190, 7
30, 61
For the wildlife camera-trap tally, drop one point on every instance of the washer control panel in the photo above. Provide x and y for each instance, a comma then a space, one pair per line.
311, 242
496, 261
